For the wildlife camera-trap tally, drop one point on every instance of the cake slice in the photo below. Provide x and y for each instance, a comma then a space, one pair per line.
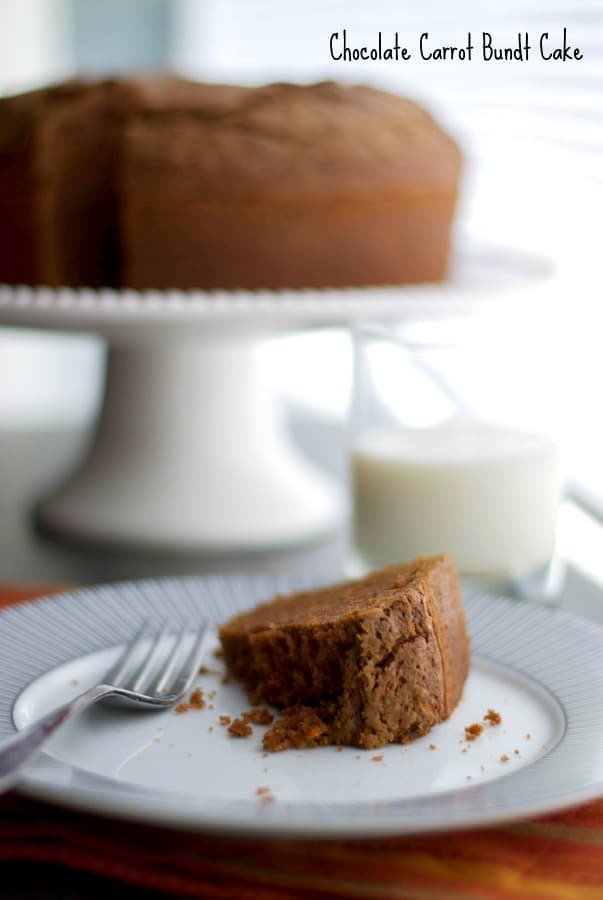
364, 663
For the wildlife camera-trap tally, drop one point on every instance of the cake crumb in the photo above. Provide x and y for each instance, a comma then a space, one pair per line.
259, 715
211, 728
492, 717
339, 749
516, 752
211, 706
156, 740
239, 728
357, 756
298, 727
196, 700
528, 736
205, 671
482, 768
504, 758
378, 758
74, 682
183, 707
432, 747
225, 720
212, 694
265, 771
265, 794
265, 755
464, 750
472, 732
218, 653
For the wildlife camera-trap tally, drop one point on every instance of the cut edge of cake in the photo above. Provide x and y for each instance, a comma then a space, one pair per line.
386, 672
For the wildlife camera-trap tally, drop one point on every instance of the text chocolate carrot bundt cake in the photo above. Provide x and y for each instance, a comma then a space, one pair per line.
367, 662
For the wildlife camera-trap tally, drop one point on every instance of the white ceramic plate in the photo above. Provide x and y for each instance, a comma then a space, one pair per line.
540, 669
479, 274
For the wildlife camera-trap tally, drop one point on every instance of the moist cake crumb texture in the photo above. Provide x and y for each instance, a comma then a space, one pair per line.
298, 727
492, 717
363, 663
240, 728
259, 716
472, 732
195, 701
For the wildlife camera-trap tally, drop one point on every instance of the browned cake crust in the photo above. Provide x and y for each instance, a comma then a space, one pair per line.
23, 180
158, 182
288, 186
60, 156
378, 660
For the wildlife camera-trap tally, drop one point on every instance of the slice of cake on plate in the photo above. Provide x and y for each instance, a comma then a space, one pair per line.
367, 662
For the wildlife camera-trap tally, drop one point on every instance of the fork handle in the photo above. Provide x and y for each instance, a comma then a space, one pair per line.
17, 750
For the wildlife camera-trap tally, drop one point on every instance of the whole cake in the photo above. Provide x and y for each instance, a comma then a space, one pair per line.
158, 182
368, 662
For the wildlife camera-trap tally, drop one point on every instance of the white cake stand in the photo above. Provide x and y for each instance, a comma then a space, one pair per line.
189, 451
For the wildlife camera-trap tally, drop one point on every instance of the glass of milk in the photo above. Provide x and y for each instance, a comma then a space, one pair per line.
451, 451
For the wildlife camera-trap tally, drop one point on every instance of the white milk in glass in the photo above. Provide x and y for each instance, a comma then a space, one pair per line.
486, 494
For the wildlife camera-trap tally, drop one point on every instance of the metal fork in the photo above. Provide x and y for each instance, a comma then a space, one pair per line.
156, 681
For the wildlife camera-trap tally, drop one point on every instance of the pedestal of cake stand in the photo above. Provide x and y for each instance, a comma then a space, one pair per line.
190, 453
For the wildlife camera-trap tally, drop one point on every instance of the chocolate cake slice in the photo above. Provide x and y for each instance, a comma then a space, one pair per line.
368, 662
